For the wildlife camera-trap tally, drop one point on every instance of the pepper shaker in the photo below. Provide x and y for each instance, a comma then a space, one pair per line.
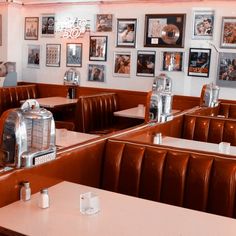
44, 199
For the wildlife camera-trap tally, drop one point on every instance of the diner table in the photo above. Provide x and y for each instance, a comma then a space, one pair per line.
195, 145
53, 102
119, 215
136, 112
66, 138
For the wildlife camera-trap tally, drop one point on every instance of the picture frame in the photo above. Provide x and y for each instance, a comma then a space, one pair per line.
226, 76
33, 56
98, 48
199, 62
96, 73
126, 33
53, 55
146, 63
0, 30
104, 22
203, 24
122, 64
31, 28
172, 61
74, 54
164, 30
47, 28
228, 32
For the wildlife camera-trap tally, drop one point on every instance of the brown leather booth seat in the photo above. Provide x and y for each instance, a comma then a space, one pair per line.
183, 178
186, 179
94, 113
226, 110
209, 129
10, 97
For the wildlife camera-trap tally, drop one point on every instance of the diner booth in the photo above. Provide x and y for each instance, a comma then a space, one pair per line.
118, 122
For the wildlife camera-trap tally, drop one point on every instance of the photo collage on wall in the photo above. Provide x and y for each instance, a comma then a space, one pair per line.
163, 31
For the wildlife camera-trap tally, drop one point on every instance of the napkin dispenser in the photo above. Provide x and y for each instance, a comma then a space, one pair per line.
27, 136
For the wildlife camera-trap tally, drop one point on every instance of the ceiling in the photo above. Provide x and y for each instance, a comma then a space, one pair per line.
29, 2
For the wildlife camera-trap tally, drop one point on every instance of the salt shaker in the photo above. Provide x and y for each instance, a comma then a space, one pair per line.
25, 191
44, 199
158, 138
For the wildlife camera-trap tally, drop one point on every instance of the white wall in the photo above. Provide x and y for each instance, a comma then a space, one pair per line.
183, 84
3, 48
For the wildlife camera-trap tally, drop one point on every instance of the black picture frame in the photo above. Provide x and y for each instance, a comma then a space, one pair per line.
53, 55
199, 62
164, 30
226, 76
74, 54
47, 25
126, 33
146, 63
96, 73
98, 48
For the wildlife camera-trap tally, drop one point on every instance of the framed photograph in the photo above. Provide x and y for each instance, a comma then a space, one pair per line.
33, 56
203, 24
31, 28
164, 30
74, 54
227, 70
146, 63
172, 61
122, 62
199, 62
53, 55
126, 33
228, 32
96, 73
98, 48
104, 22
0, 30
48, 25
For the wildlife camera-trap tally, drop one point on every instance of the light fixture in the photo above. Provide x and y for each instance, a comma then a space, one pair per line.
72, 27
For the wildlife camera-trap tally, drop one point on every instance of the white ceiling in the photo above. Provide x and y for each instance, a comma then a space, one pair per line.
26, 2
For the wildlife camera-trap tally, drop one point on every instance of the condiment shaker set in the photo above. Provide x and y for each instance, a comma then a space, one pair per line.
25, 195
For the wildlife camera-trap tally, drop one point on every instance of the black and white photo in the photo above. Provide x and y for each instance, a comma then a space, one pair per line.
74, 54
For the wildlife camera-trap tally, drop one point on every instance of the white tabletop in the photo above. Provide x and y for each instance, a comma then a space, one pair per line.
195, 145
136, 112
51, 102
120, 215
66, 138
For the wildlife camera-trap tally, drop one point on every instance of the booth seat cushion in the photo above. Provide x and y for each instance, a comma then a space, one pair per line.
10, 97
209, 129
186, 179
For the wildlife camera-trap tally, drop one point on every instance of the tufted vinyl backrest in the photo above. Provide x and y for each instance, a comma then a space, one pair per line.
209, 129
95, 112
228, 110
10, 97
186, 179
